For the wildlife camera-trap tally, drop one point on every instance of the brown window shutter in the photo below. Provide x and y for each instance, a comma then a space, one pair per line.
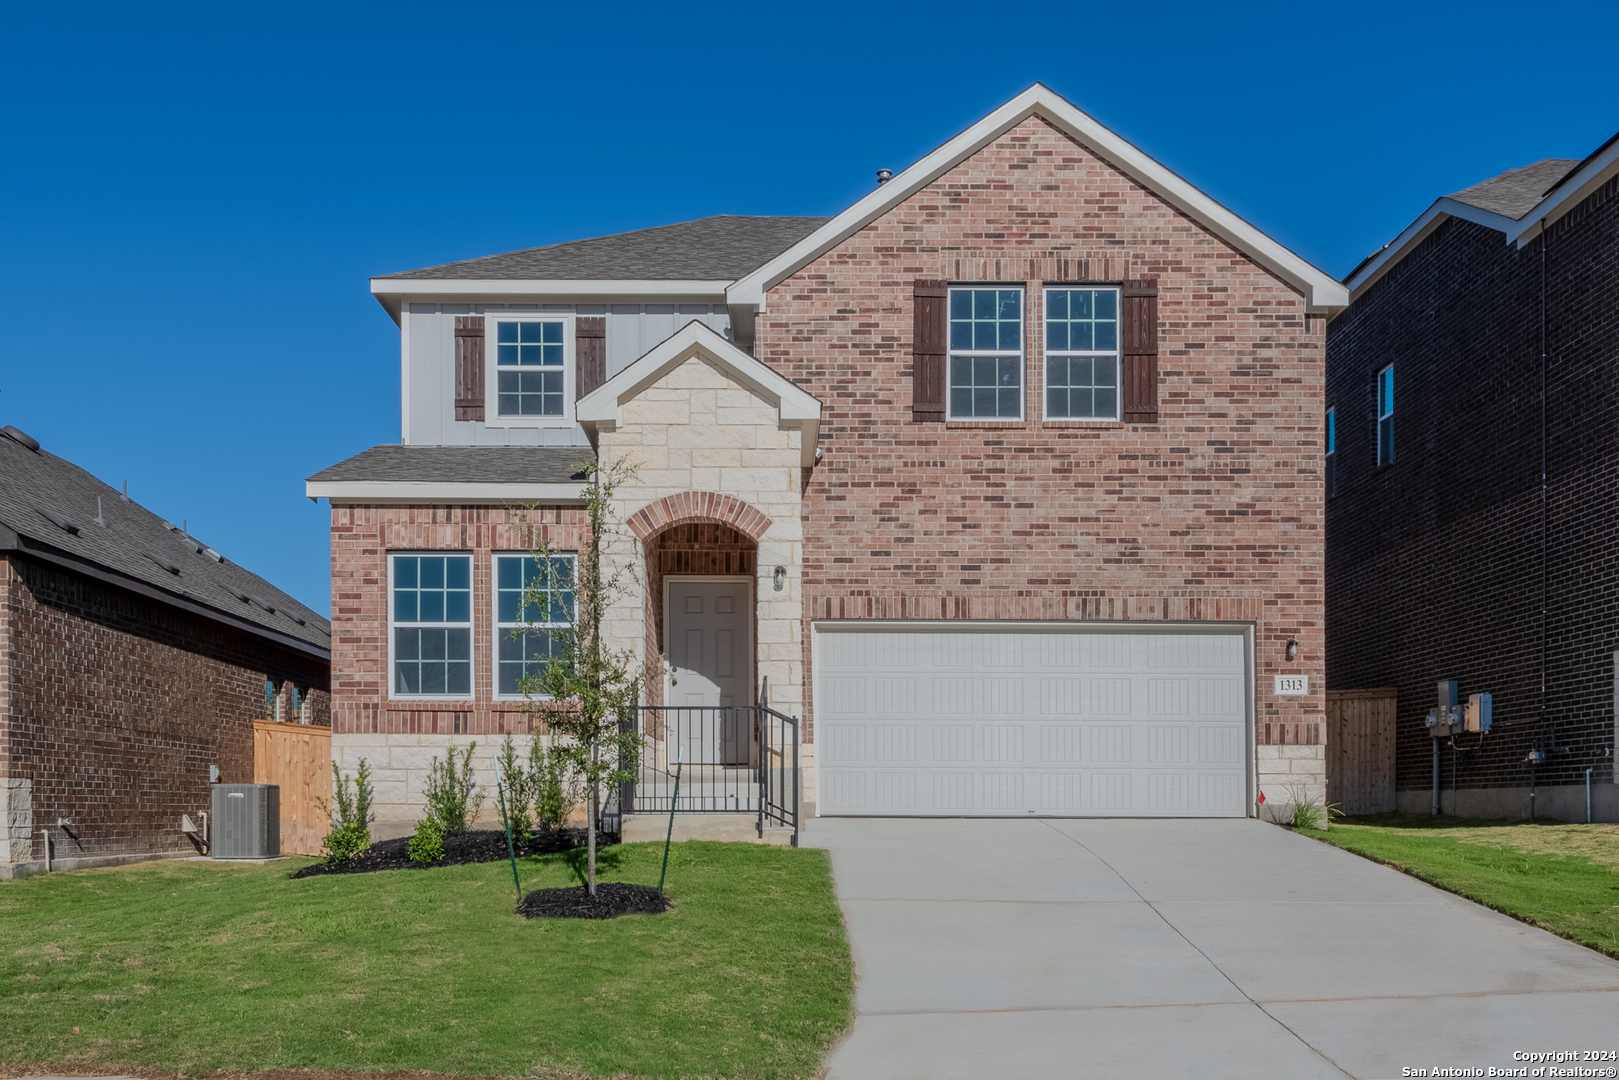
1139, 378
469, 367
932, 314
590, 354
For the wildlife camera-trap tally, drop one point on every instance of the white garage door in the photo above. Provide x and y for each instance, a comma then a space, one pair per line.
1005, 720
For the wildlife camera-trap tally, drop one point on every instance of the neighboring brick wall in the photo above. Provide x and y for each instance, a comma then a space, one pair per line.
1213, 513
115, 705
1436, 564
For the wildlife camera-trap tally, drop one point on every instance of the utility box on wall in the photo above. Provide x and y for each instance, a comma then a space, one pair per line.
1478, 716
247, 821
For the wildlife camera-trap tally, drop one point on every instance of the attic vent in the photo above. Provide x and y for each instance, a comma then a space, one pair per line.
239, 594
297, 620
19, 438
171, 526
265, 604
61, 521
164, 563
212, 554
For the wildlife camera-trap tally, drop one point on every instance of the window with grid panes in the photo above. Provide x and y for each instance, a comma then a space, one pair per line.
986, 354
432, 625
530, 607
530, 372
1082, 354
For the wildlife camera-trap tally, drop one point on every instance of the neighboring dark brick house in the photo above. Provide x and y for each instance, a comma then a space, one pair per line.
1498, 312
132, 658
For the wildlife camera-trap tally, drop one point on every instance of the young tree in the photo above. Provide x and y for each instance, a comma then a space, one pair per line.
587, 692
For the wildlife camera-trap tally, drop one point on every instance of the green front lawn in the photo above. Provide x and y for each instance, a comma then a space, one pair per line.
193, 967
1564, 878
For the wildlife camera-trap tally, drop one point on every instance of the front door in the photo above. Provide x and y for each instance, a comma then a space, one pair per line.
708, 628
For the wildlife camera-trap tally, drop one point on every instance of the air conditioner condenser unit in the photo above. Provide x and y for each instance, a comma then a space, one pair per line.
246, 821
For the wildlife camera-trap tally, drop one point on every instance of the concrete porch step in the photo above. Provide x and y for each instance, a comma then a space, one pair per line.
735, 828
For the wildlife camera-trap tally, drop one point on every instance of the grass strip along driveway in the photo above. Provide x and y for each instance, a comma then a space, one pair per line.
1563, 878
193, 967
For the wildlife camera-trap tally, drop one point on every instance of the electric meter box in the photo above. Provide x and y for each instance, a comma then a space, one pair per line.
1478, 716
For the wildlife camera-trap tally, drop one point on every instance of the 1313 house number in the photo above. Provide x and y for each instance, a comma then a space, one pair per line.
1292, 685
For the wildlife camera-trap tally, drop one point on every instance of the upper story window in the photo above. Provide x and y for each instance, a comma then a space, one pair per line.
530, 605
1332, 452
431, 625
1082, 354
986, 354
1385, 416
530, 368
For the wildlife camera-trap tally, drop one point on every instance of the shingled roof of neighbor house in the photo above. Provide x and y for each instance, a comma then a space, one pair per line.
460, 465
1517, 191
49, 509
721, 248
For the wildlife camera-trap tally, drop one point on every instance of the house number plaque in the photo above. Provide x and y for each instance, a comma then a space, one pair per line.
1292, 685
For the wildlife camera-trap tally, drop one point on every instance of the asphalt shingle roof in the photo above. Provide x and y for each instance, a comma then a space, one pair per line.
721, 248
41, 493
461, 465
1517, 191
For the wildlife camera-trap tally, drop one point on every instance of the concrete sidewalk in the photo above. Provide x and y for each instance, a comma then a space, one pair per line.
1214, 948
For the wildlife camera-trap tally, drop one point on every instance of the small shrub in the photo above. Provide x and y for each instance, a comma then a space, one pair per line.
518, 798
351, 817
452, 800
1311, 811
427, 843
556, 791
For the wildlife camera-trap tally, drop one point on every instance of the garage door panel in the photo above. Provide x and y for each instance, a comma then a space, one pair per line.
1009, 722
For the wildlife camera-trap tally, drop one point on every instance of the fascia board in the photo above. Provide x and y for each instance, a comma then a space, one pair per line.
407, 491
1322, 292
1595, 173
602, 403
1416, 233
403, 287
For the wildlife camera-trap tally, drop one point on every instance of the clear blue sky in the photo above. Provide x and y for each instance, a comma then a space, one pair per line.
193, 198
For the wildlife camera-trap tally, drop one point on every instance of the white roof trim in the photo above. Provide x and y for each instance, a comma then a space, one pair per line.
404, 491
797, 407
1416, 233
542, 287
1322, 292
1590, 176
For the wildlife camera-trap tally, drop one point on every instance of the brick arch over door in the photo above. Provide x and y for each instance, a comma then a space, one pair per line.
698, 506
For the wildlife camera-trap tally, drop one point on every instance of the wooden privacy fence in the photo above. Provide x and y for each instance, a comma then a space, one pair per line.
1360, 750
298, 758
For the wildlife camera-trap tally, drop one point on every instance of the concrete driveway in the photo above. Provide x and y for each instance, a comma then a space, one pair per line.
1224, 948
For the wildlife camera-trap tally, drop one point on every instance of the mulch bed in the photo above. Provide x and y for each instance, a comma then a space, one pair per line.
612, 899
472, 846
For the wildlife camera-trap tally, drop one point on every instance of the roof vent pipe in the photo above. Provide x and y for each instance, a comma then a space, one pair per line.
20, 438
884, 176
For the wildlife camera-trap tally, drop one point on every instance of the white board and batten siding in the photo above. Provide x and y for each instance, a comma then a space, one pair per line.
429, 364
1009, 720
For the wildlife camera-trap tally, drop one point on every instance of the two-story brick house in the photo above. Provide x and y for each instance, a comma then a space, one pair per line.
1007, 478
1472, 501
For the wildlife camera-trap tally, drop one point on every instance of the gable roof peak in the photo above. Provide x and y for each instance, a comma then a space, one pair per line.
1323, 293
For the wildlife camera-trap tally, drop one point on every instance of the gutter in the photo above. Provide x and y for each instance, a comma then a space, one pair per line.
31, 548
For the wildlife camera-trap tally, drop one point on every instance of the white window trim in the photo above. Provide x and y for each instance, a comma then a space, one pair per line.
1381, 415
491, 366
1022, 355
1117, 354
471, 625
501, 628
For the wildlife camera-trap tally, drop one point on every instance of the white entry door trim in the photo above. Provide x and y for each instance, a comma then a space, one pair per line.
1034, 718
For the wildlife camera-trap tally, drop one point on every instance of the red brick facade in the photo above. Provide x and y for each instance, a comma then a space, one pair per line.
113, 706
362, 538
1213, 513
